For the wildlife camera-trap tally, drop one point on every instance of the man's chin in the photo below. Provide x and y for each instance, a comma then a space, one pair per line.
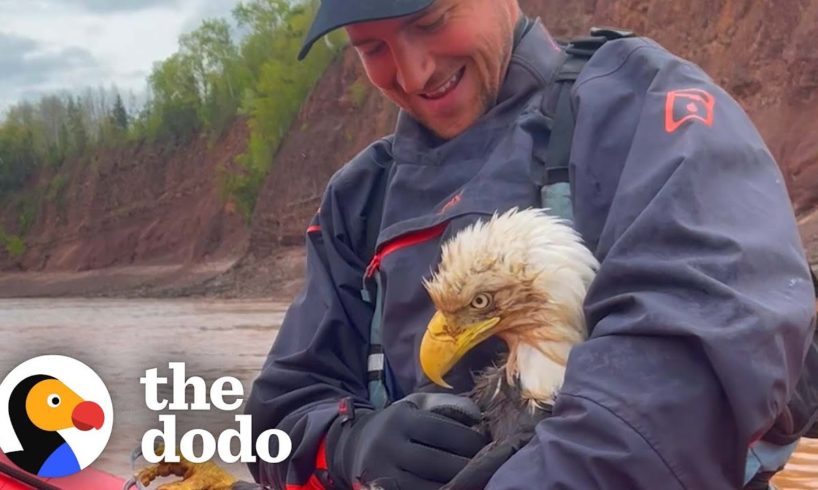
448, 129
444, 127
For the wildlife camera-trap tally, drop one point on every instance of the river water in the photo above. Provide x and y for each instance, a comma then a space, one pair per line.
121, 339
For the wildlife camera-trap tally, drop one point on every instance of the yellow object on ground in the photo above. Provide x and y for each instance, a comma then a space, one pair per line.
201, 476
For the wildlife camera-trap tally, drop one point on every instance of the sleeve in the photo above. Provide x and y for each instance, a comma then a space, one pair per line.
318, 357
701, 312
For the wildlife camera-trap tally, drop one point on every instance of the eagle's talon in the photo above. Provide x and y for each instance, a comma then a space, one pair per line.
195, 476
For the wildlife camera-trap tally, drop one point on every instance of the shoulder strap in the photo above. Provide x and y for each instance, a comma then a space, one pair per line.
372, 291
552, 175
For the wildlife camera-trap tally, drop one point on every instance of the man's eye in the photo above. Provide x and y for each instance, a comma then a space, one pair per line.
432, 26
377, 48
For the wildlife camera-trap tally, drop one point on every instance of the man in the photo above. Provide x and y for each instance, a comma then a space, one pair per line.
700, 315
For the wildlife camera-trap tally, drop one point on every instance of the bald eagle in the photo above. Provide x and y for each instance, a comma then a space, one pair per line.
521, 276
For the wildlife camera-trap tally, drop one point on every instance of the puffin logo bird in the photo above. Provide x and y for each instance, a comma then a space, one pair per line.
39, 407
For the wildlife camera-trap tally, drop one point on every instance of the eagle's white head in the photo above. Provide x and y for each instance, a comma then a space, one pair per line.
522, 276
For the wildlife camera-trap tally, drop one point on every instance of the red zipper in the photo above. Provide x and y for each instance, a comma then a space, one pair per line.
403, 241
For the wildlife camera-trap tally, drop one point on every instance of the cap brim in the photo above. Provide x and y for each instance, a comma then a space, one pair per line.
330, 17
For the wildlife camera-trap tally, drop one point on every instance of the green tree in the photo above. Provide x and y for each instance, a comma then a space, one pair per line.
77, 131
174, 114
119, 115
220, 74
280, 87
17, 157
210, 50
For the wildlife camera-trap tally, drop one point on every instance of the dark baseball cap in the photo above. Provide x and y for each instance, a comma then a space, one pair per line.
333, 14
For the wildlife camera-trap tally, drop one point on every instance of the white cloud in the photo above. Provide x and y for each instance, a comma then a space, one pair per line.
72, 44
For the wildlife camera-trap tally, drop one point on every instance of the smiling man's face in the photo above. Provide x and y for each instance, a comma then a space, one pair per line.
443, 65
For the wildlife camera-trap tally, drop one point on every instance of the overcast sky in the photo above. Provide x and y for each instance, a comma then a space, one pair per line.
51, 45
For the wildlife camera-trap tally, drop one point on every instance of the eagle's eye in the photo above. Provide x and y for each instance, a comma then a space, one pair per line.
53, 400
481, 301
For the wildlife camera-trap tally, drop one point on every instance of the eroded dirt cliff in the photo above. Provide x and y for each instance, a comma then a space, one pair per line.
148, 211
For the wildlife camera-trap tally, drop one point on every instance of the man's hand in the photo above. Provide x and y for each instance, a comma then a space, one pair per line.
418, 443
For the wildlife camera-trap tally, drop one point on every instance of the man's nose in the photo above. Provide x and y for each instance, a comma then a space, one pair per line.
415, 67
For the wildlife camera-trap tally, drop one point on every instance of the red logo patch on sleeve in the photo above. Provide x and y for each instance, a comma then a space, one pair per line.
452, 203
690, 104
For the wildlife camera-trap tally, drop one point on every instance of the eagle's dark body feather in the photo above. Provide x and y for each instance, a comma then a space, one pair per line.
508, 418
506, 411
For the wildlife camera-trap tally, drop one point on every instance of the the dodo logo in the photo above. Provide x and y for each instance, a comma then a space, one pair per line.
55, 416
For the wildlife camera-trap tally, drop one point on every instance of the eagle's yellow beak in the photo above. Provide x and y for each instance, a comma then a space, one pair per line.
439, 351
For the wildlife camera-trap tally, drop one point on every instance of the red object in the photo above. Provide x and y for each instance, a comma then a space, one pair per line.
314, 483
321, 456
7, 483
87, 416
690, 104
403, 241
452, 203
13, 478
345, 409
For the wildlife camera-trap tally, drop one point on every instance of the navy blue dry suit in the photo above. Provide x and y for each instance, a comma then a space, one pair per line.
700, 315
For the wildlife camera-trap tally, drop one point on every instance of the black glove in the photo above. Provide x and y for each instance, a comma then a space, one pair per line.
243, 485
418, 443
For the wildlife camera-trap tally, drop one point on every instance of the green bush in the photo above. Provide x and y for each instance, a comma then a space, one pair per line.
357, 93
280, 86
27, 208
14, 245
56, 189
